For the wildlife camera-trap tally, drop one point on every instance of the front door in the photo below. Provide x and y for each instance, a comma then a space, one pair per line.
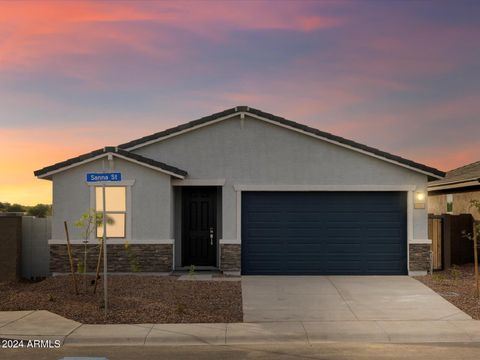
199, 226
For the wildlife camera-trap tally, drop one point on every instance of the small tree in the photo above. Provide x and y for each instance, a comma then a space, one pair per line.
88, 224
474, 237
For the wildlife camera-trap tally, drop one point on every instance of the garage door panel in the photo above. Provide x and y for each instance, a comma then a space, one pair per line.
348, 248
346, 266
304, 216
259, 250
264, 232
337, 233
324, 233
383, 233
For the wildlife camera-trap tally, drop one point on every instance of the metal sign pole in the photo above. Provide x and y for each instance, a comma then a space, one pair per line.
104, 251
104, 178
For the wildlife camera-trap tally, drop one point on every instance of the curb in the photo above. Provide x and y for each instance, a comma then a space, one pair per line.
306, 333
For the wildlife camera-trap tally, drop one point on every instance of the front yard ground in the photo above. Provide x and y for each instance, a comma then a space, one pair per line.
456, 285
132, 299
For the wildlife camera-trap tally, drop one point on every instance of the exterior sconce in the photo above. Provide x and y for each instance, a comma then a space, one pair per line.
419, 200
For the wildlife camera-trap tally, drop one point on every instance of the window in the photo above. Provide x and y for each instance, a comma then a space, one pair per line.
449, 203
115, 208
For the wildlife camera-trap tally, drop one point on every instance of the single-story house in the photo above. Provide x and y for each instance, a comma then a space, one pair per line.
452, 195
248, 192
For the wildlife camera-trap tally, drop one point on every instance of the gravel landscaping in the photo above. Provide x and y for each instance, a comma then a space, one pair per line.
457, 285
132, 299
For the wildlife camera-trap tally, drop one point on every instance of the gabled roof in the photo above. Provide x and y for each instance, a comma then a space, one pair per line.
464, 176
242, 110
46, 172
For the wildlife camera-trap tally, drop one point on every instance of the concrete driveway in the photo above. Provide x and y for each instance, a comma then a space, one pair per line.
342, 298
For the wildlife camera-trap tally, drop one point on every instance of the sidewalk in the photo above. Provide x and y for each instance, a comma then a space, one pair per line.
48, 326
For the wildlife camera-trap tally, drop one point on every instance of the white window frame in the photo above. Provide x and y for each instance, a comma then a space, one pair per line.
128, 210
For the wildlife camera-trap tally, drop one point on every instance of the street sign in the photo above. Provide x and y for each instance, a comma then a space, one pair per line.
100, 177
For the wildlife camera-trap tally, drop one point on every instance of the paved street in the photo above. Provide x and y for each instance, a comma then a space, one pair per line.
331, 351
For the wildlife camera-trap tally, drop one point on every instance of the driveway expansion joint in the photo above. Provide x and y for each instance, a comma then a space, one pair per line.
306, 333
343, 298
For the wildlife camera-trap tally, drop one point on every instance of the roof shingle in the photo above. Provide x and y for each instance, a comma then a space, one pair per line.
458, 175
114, 150
123, 148
283, 121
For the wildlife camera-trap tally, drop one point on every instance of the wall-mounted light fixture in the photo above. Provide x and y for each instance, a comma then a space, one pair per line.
419, 200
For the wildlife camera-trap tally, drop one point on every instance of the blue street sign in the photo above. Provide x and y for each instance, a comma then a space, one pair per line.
100, 177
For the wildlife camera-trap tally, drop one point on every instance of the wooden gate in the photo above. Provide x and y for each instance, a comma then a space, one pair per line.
461, 248
435, 232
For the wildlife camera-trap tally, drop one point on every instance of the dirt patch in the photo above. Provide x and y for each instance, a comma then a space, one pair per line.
457, 285
132, 299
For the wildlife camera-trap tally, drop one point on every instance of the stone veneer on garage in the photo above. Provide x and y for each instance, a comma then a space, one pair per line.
419, 257
230, 257
150, 258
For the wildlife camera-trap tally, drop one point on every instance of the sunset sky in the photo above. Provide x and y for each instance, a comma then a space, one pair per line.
403, 76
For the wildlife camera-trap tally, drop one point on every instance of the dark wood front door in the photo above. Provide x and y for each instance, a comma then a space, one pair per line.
199, 226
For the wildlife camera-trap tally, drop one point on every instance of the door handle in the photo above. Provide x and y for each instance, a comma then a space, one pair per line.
211, 236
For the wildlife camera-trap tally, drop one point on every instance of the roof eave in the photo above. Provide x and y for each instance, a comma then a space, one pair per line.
169, 170
241, 111
458, 184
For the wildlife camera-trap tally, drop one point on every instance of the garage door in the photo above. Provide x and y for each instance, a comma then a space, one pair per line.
324, 233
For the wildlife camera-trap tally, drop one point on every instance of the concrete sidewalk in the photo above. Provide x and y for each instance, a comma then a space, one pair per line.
45, 325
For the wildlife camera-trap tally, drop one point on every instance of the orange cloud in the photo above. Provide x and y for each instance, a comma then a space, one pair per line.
24, 151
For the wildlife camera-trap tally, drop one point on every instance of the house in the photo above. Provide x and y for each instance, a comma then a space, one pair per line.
247, 191
452, 194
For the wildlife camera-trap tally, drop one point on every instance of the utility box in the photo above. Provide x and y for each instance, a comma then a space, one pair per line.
10, 247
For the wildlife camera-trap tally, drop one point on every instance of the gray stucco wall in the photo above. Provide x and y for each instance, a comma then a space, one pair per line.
151, 197
248, 152
255, 152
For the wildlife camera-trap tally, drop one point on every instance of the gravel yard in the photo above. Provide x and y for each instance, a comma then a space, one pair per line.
456, 285
132, 299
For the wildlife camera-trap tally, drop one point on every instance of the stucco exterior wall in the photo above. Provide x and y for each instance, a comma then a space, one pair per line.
238, 152
253, 152
437, 203
151, 200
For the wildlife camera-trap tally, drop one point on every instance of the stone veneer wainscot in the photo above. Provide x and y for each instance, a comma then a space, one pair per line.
151, 257
230, 257
419, 257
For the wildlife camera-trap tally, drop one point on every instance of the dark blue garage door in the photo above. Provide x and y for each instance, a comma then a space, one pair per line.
330, 233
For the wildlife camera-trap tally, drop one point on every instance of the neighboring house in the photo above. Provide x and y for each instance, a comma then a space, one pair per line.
247, 191
452, 194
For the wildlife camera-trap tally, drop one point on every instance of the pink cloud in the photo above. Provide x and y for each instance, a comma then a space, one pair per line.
36, 32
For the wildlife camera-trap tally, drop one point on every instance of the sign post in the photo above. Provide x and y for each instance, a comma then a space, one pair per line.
104, 178
104, 222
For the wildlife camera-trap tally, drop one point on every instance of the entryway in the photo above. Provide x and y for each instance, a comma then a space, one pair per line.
199, 226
